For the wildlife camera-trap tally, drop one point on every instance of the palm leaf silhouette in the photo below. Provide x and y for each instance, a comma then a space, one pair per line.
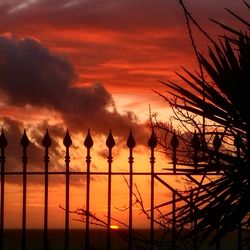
223, 99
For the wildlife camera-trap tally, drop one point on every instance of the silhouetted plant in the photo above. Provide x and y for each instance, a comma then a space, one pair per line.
215, 103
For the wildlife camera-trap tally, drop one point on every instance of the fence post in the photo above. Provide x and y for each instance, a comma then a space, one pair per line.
46, 144
3, 145
88, 143
217, 145
130, 144
67, 142
238, 144
24, 143
152, 143
195, 143
174, 144
194, 221
110, 142
174, 221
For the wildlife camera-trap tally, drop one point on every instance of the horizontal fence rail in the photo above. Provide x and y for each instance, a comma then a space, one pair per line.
188, 170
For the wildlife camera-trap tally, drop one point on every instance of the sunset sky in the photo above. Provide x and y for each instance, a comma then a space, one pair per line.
90, 64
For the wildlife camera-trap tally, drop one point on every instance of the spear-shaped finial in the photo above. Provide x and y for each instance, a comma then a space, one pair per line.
67, 142
46, 140
110, 142
152, 142
88, 142
3, 140
174, 141
25, 140
131, 141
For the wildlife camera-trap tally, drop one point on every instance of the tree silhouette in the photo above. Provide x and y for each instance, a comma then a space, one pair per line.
215, 103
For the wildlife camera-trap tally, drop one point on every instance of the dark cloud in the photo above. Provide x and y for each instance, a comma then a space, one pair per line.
94, 33
32, 75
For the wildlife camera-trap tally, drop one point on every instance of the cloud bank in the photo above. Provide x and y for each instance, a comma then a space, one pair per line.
30, 74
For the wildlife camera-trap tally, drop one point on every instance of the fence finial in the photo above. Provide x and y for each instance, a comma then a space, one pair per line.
46, 140
67, 142
174, 141
88, 142
3, 140
195, 141
131, 141
152, 142
25, 140
110, 142
217, 142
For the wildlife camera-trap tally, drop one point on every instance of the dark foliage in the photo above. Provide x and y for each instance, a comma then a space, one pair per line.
219, 96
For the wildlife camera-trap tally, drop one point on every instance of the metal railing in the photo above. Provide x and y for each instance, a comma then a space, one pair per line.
88, 143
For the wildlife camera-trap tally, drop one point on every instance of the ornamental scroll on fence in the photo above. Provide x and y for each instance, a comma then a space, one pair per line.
150, 243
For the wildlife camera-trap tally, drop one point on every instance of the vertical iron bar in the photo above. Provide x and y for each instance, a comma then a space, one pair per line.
152, 143
239, 225
110, 144
130, 196
67, 201
195, 143
174, 144
24, 203
174, 160
2, 198
46, 143
3, 144
195, 160
88, 143
194, 221
87, 198
130, 144
217, 145
67, 143
238, 144
45, 239
152, 161
174, 221
24, 143
109, 199
195, 229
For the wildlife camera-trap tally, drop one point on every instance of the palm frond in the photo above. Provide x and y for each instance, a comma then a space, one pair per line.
221, 204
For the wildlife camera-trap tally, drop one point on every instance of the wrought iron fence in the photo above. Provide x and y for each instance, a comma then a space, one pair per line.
110, 143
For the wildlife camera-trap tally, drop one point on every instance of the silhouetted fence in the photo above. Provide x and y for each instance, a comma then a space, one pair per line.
193, 169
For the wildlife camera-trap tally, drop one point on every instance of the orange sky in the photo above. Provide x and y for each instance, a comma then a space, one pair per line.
126, 46
91, 64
